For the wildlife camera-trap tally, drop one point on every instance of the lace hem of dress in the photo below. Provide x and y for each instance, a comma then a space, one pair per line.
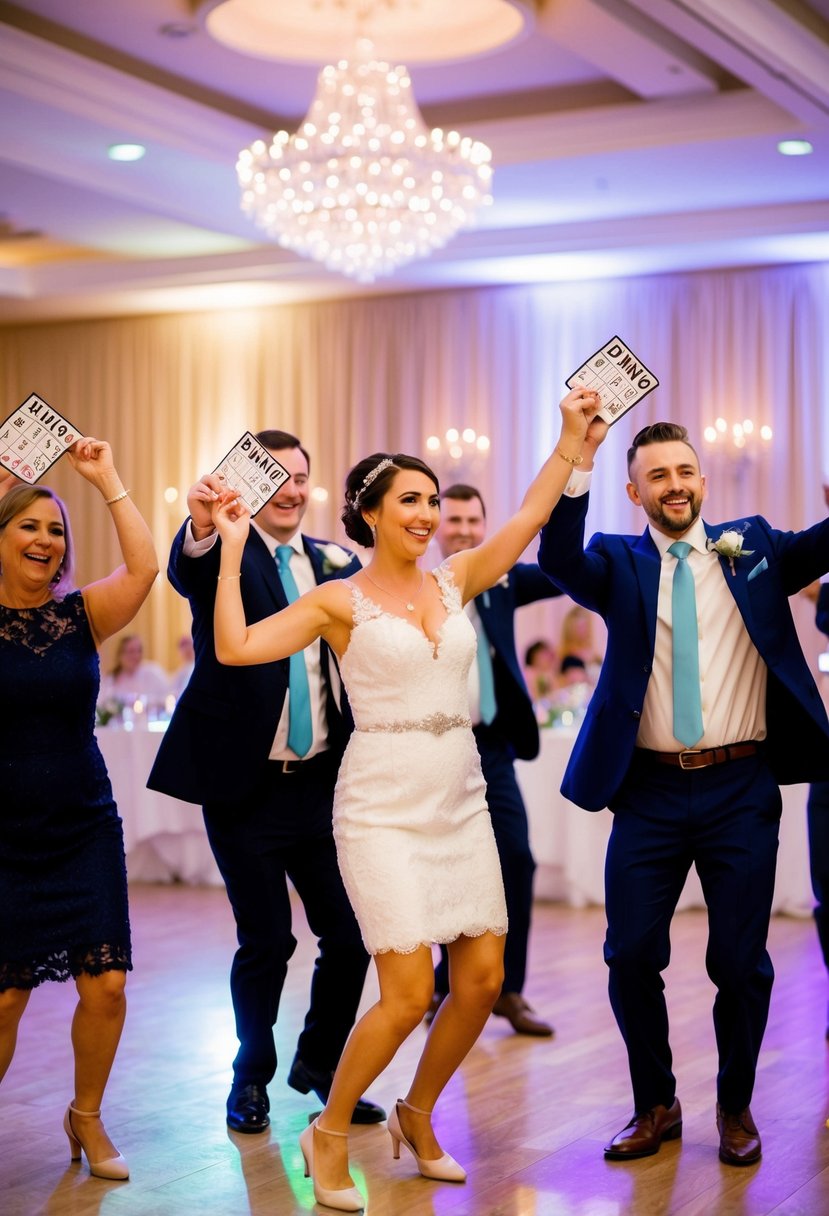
495, 930
61, 965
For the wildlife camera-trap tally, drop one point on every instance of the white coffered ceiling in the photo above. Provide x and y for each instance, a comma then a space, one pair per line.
628, 136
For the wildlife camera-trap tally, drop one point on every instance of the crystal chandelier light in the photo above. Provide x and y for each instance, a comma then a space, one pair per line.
363, 186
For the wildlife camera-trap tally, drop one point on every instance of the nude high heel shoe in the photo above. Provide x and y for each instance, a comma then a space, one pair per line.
114, 1168
443, 1169
347, 1199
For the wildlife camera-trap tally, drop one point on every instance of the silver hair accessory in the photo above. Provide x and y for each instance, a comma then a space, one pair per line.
385, 463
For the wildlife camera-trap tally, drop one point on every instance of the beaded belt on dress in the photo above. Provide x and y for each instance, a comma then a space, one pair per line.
435, 724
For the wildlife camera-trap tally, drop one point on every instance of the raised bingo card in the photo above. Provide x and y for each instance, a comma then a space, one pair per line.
33, 438
250, 469
618, 376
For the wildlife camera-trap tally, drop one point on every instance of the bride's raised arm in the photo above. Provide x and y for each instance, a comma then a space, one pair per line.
276, 637
477, 569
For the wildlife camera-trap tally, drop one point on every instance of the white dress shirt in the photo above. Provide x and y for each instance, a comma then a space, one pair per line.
303, 573
733, 677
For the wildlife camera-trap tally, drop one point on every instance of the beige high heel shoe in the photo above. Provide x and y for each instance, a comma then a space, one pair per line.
443, 1169
114, 1168
346, 1199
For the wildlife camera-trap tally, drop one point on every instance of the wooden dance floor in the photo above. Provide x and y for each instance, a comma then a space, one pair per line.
527, 1117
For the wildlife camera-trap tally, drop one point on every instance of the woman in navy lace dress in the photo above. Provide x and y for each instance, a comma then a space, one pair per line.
63, 889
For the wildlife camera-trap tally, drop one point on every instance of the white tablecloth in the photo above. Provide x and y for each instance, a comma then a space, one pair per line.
569, 844
165, 839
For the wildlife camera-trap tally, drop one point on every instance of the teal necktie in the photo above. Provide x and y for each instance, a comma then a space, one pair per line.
300, 727
486, 680
688, 726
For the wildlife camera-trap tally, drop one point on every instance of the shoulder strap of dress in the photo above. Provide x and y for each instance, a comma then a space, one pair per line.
449, 592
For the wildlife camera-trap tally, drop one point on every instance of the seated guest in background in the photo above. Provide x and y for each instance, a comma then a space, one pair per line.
133, 676
705, 703
505, 728
63, 881
573, 670
182, 674
540, 670
577, 642
267, 800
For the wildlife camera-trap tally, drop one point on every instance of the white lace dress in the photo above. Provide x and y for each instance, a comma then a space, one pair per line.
413, 832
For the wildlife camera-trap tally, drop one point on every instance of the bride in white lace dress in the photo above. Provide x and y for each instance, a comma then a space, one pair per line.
414, 838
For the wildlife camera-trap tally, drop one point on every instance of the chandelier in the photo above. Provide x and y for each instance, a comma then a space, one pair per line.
364, 186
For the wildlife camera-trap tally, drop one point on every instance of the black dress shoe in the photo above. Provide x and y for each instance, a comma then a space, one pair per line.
247, 1108
305, 1079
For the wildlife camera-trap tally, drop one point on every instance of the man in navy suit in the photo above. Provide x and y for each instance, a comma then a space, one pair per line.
818, 814
512, 733
713, 800
267, 808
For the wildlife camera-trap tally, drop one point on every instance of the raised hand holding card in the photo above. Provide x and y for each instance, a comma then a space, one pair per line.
618, 376
33, 438
249, 468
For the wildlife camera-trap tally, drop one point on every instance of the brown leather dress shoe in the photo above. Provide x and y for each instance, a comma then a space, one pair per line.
739, 1138
644, 1134
513, 1007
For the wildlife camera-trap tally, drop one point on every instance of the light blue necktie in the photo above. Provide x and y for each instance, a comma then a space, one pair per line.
486, 680
300, 727
688, 728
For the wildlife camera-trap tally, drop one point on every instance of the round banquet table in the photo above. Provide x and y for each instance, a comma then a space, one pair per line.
165, 839
569, 843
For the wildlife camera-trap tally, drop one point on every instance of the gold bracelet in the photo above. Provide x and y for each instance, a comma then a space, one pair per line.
222, 577
574, 460
109, 501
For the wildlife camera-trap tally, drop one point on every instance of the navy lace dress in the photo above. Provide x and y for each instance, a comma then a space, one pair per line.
63, 881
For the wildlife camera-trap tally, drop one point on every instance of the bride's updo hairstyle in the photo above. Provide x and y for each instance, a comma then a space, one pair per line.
367, 484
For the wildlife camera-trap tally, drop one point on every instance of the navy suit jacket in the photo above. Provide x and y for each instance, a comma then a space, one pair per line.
822, 617
224, 723
618, 577
515, 719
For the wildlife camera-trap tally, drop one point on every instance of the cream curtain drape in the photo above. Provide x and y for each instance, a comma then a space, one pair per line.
172, 393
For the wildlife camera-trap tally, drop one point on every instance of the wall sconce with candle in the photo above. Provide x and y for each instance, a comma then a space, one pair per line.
738, 439
458, 453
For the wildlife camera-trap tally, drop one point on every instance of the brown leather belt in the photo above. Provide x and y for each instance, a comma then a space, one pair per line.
690, 759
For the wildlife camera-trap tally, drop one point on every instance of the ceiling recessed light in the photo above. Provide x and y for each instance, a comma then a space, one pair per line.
126, 151
794, 147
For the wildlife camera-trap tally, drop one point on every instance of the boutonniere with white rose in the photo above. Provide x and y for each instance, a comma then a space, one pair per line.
729, 544
334, 558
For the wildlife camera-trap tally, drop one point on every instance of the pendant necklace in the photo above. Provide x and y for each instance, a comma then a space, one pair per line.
408, 603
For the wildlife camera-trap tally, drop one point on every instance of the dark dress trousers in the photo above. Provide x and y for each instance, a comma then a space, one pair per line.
264, 823
818, 819
513, 734
724, 818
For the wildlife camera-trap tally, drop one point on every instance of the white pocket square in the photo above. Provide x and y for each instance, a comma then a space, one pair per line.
758, 569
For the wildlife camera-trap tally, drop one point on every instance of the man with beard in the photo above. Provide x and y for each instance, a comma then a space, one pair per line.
705, 704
